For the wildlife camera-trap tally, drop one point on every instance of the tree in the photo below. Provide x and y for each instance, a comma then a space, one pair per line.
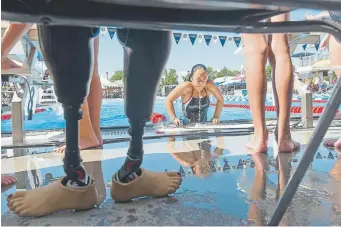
268, 72
169, 77
186, 78
118, 75
212, 74
223, 72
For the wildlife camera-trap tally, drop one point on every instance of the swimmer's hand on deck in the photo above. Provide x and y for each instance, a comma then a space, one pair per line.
177, 121
215, 120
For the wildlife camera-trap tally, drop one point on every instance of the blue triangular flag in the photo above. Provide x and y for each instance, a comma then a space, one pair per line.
318, 156
207, 39
222, 40
317, 45
252, 165
330, 155
240, 164
177, 37
40, 56
304, 46
226, 167
237, 40
193, 37
111, 32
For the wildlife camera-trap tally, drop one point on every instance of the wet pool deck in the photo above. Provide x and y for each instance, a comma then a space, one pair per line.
238, 187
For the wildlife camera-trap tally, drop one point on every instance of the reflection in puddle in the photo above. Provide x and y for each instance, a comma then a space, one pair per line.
245, 186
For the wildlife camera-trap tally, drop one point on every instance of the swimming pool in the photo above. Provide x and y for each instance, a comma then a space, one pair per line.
112, 114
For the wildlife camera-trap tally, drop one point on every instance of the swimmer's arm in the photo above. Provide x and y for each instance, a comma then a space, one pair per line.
219, 97
172, 96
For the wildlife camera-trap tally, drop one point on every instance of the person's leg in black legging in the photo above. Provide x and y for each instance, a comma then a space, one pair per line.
68, 55
145, 55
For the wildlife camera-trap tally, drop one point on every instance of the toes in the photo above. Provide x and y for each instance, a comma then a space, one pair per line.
22, 209
173, 174
13, 201
176, 180
16, 195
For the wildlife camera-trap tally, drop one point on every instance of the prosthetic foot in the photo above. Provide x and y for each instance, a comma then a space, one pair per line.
147, 184
51, 198
69, 58
145, 54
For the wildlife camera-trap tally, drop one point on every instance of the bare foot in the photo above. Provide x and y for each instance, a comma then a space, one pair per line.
156, 184
287, 145
53, 197
259, 145
84, 144
7, 180
333, 143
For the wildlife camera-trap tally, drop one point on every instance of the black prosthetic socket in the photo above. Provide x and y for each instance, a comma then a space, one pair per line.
145, 55
68, 55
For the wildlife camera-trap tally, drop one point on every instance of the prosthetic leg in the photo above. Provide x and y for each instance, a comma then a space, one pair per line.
68, 55
145, 55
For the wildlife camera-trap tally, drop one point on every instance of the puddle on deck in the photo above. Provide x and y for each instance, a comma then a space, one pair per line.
222, 185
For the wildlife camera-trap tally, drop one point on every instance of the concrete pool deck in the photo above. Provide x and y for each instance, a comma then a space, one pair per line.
238, 187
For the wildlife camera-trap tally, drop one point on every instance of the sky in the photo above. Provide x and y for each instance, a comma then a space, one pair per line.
184, 55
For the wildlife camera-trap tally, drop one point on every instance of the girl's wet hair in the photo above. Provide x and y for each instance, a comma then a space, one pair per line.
196, 68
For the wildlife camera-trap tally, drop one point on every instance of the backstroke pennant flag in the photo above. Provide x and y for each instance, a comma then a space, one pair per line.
304, 46
111, 32
208, 39
177, 37
192, 37
222, 40
237, 40
317, 45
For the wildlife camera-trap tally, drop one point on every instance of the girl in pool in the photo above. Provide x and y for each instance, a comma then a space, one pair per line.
196, 90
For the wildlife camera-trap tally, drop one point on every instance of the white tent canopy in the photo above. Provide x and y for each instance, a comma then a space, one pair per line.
106, 83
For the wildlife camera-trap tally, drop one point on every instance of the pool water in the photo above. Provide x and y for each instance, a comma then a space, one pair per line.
112, 114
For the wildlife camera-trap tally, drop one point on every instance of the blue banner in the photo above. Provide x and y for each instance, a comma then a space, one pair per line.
237, 40
193, 37
207, 39
222, 40
177, 37
111, 32
304, 46
317, 45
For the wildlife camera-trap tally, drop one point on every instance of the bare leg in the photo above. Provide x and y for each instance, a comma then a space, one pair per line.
256, 52
335, 57
283, 86
259, 187
13, 35
272, 61
95, 96
89, 125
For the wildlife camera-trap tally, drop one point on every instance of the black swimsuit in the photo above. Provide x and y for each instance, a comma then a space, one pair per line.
191, 108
